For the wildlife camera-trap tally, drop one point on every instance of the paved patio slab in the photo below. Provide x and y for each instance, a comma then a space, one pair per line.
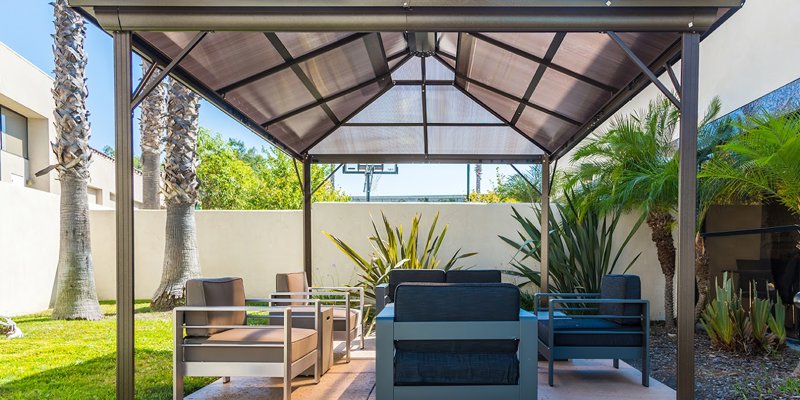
578, 379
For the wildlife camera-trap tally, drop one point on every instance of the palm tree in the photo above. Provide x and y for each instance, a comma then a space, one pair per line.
181, 261
478, 176
76, 297
635, 166
152, 123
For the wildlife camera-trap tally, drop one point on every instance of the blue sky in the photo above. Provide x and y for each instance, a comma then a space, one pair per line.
27, 28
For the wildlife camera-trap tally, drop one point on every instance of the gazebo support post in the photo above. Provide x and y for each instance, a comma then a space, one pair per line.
544, 223
687, 213
124, 214
307, 192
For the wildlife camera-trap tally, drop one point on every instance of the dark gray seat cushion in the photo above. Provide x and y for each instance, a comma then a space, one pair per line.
456, 362
627, 287
563, 337
473, 276
398, 276
444, 368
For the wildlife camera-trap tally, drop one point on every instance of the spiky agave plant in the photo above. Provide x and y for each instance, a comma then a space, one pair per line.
76, 297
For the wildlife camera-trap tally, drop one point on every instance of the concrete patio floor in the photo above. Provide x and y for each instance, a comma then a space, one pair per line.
577, 379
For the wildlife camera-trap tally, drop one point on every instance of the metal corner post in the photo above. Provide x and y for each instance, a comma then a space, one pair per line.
124, 214
545, 226
687, 199
307, 217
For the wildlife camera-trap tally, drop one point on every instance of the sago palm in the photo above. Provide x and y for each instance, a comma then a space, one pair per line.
181, 260
76, 297
635, 166
152, 123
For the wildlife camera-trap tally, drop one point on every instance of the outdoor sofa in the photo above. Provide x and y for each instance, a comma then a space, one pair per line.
348, 321
456, 341
384, 293
219, 342
613, 324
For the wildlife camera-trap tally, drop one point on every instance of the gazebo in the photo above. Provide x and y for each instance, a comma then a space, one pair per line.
429, 81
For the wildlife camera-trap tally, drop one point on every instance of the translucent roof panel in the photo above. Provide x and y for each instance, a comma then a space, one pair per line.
447, 42
373, 140
299, 43
435, 71
411, 70
260, 95
582, 101
479, 140
340, 68
497, 103
547, 130
301, 130
344, 106
401, 104
533, 43
394, 43
446, 104
500, 69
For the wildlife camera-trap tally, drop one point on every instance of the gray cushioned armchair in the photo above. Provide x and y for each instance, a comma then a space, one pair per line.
613, 324
456, 341
218, 340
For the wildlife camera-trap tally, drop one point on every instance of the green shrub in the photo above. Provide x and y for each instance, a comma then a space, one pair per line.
396, 251
732, 328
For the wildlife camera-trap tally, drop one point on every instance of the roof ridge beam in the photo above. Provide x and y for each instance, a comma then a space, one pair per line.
278, 68
539, 60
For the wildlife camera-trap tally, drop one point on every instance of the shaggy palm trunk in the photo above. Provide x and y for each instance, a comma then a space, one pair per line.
151, 126
76, 297
181, 261
702, 274
478, 175
661, 224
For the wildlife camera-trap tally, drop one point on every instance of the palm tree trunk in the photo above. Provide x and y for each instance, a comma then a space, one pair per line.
702, 274
151, 126
181, 260
76, 297
478, 176
661, 223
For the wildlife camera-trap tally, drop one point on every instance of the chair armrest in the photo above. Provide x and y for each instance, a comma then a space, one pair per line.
381, 298
342, 297
387, 313
644, 315
537, 297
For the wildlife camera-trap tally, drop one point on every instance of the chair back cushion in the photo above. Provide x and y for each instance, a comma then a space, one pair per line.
473, 276
627, 287
214, 292
292, 282
456, 362
398, 276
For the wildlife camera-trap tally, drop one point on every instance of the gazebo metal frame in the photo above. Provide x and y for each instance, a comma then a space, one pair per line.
692, 19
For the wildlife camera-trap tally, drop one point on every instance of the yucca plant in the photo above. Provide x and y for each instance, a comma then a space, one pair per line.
718, 318
581, 247
777, 325
392, 250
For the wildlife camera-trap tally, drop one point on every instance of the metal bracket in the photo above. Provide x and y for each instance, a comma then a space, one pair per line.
149, 86
642, 66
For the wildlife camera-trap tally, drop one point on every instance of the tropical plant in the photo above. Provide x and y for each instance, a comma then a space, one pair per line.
393, 250
76, 297
181, 260
581, 247
731, 327
634, 166
523, 188
152, 123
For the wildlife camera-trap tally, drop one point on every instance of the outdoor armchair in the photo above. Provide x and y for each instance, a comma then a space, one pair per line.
456, 341
613, 324
218, 341
347, 303
384, 293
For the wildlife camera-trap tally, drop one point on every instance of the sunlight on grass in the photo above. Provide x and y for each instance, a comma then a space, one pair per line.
76, 359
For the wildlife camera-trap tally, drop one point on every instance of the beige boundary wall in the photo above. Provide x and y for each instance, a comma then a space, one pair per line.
253, 244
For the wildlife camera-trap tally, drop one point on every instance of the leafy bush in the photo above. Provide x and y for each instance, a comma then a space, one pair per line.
581, 247
396, 251
732, 328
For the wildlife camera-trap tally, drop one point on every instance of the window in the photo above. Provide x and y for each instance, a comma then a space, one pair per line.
13, 133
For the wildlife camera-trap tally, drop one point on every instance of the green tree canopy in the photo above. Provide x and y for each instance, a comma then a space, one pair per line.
234, 177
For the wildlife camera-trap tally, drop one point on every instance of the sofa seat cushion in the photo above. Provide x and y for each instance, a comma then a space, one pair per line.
339, 315
563, 337
445, 368
304, 341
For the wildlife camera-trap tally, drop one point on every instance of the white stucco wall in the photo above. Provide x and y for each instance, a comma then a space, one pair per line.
28, 249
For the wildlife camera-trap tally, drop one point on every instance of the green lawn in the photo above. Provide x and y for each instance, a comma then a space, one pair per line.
76, 359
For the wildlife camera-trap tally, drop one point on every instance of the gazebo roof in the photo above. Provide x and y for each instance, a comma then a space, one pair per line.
402, 95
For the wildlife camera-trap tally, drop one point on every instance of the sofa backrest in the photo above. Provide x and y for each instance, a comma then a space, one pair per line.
398, 276
214, 292
628, 287
473, 276
424, 302
292, 282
